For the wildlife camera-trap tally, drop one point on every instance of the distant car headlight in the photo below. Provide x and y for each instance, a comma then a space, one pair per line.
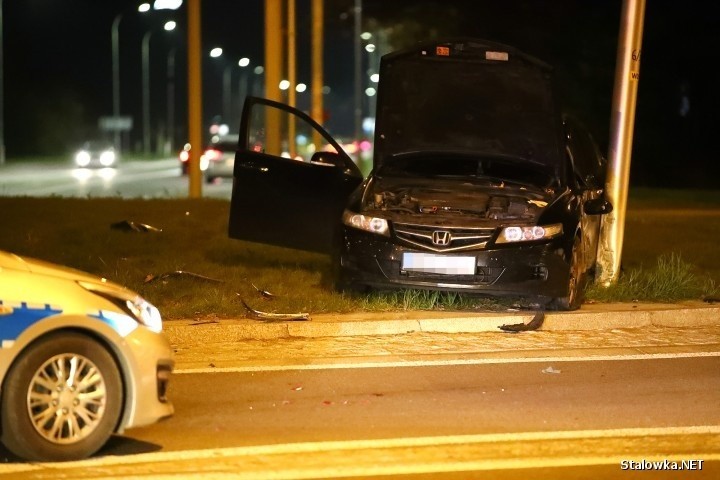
133, 305
515, 234
82, 158
204, 163
363, 222
107, 158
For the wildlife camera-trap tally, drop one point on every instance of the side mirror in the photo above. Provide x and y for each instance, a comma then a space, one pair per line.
330, 159
598, 206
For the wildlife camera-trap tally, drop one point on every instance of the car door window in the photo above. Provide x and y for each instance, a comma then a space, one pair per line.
284, 193
280, 133
588, 162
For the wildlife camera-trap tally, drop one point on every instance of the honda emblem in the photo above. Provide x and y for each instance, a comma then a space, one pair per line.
441, 238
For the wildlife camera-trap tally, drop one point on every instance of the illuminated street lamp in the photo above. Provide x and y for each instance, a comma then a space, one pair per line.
258, 85
244, 82
169, 26
115, 37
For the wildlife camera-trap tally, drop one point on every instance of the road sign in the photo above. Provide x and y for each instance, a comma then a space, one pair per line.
115, 124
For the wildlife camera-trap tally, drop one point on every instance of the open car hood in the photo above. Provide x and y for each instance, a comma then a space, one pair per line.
467, 96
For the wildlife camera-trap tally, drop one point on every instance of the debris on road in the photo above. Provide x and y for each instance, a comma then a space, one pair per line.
550, 369
534, 324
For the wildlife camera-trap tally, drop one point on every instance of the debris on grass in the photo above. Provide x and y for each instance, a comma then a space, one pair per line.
180, 273
130, 226
274, 317
262, 292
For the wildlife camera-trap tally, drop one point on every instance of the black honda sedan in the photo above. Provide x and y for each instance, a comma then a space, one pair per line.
480, 183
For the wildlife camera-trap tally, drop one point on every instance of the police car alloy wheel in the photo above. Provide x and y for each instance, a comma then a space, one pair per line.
61, 399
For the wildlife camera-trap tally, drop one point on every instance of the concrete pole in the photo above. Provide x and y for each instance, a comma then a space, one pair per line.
273, 49
316, 87
292, 74
358, 70
273, 68
627, 76
194, 99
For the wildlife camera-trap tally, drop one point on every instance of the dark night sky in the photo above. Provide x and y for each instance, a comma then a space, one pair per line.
57, 65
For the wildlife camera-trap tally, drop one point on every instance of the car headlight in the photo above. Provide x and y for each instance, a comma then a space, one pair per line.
364, 222
515, 234
107, 158
82, 158
204, 163
131, 304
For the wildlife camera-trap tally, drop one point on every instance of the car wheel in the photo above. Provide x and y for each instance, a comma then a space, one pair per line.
61, 399
576, 281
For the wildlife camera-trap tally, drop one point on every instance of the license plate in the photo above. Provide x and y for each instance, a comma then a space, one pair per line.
442, 264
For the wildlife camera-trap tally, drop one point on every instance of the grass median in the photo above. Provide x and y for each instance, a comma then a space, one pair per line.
670, 254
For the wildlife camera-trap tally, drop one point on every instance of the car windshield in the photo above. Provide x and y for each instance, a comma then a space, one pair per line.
495, 169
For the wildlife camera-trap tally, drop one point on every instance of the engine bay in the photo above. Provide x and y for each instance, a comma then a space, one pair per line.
441, 201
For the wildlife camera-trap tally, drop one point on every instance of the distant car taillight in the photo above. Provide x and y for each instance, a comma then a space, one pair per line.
213, 155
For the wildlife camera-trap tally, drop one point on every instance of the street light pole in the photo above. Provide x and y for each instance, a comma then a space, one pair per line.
227, 93
170, 100
169, 26
194, 97
2, 96
243, 88
622, 122
146, 90
116, 76
358, 69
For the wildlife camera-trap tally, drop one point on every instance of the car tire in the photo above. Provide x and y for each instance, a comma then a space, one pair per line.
63, 422
576, 280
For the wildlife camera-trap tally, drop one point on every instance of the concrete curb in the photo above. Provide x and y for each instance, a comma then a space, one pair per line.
589, 317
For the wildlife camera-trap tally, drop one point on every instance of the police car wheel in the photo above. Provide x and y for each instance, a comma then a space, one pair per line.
61, 399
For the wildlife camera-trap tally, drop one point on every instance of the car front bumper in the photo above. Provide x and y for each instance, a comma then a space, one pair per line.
529, 270
149, 365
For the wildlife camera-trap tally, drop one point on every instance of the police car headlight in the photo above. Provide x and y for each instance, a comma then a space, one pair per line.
131, 304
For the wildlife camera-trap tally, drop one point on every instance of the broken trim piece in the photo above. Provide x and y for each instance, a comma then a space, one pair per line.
276, 317
534, 324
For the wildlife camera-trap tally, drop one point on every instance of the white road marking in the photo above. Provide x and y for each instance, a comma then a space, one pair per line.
410, 466
441, 362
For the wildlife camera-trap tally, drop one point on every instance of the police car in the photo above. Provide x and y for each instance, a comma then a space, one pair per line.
81, 358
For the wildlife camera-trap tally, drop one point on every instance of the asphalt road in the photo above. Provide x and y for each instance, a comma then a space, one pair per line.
533, 418
131, 179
